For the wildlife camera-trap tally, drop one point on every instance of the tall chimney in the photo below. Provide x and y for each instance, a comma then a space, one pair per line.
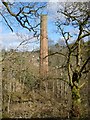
43, 47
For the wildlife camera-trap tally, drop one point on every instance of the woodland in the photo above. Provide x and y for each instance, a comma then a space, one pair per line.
53, 83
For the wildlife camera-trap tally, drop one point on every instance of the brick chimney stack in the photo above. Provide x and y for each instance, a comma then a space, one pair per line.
43, 47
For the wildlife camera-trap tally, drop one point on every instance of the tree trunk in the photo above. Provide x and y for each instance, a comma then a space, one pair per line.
76, 99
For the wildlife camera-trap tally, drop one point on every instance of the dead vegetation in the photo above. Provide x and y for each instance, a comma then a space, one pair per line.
25, 95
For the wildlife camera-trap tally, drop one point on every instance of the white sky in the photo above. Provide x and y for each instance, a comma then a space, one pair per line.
11, 40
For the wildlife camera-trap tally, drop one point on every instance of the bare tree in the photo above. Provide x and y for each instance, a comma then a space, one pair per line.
76, 16
26, 14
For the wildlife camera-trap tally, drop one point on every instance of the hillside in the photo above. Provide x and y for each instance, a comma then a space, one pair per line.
25, 95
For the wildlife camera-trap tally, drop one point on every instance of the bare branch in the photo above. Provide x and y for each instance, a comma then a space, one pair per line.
85, 63
26, 18
6, 22
6, 5
55, 54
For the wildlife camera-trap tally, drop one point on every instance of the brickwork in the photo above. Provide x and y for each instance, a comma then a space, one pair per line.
43, 46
